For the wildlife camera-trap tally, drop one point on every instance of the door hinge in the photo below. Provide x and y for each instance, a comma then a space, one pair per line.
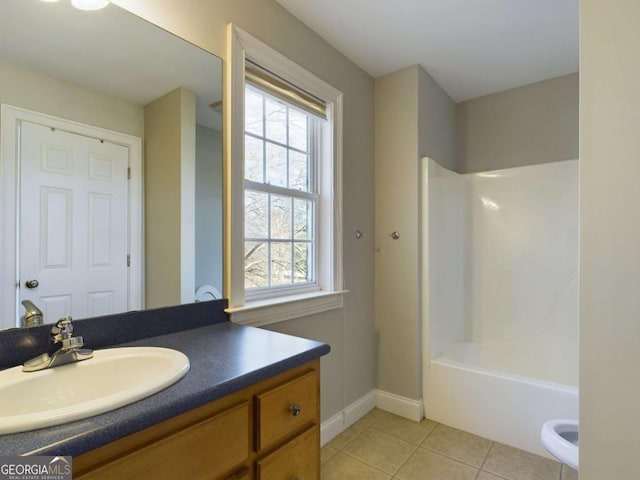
128, 260
129, 173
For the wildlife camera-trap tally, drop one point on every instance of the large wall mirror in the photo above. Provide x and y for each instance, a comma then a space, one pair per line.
111, 164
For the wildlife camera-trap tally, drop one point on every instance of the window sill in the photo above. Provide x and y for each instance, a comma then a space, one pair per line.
264, 312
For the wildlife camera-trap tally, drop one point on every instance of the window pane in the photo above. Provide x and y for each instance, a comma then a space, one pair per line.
302, 220
256, 214
297, 129
276, 118
276, 165
253, 112
280, 263
298, 171
302, 260
281, 217
255, 265
280, 248
253, 167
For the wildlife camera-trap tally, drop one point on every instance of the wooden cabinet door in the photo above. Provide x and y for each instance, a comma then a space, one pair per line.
297, 460
208, 450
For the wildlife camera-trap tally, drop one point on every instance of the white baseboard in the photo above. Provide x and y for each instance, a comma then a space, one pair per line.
402, 406
331, 428
338, 423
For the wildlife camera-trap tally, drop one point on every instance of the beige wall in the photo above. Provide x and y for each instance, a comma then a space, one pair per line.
208, 210
414, 117
528, 125
396, 204
609, 240
437, 122
348, 372
169, 173
33, 91
187, 196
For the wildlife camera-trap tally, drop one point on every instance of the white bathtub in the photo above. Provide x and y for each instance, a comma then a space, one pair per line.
500, 269
473, 387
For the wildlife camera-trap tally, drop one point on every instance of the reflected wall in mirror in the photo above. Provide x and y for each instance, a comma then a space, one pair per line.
89, 99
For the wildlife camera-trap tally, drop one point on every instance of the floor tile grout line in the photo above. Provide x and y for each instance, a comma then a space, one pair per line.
414, 446
486, 457
401, 438
414, 449
372, 427
500, 476
359, 460
405, 462
432, 430
350, 441
451, 458
365, 464
437, 453
477, 474
326, 460
485, 461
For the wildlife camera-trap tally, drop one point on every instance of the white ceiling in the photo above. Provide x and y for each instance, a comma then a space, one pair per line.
470, 47
110, 51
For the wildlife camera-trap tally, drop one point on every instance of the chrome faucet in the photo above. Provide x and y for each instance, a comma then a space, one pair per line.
33, 315
68, 349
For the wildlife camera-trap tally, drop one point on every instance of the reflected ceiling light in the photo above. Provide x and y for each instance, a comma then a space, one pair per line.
49, 1
490, 204
89, 4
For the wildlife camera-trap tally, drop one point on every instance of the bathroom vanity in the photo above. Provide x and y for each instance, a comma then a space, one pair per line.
249, 407
267, 431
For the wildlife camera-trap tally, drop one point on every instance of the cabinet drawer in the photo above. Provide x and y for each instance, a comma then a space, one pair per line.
241, 474
196, 452
298, 459
287, 409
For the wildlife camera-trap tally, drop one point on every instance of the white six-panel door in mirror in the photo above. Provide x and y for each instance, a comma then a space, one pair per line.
73, 223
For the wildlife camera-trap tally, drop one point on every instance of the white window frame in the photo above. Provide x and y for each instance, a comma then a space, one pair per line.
329, 294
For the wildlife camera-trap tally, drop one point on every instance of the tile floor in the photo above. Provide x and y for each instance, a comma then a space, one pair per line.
383, 446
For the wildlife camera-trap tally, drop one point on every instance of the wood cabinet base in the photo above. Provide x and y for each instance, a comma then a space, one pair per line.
222, 440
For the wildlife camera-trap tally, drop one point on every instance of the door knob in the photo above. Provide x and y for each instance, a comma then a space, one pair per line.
33, 283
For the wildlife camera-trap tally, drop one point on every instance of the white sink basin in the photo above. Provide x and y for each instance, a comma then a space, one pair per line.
111, 379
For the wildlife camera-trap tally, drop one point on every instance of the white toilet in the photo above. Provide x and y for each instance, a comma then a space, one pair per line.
560, 437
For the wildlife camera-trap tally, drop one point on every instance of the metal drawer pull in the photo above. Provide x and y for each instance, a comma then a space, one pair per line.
295, 410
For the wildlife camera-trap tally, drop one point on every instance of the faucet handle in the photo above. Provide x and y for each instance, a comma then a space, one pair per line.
33, 316
62, 329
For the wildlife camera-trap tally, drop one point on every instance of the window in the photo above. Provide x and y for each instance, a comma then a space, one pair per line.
281, 195
285, 183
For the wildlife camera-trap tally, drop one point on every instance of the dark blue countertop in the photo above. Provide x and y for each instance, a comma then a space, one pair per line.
224, 358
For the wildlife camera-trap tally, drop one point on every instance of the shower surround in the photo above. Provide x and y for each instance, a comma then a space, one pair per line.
500, 299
